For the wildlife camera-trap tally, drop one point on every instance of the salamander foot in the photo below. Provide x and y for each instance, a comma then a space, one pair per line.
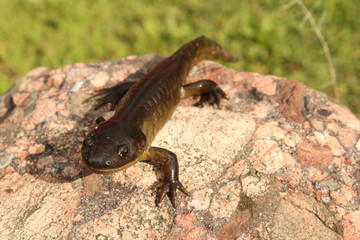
208, 91
170, 188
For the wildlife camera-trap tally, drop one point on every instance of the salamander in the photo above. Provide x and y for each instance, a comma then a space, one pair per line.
143, 107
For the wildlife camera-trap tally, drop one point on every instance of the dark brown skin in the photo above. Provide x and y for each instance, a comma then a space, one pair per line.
142, 108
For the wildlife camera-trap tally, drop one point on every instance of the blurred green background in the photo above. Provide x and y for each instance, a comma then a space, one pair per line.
271, 37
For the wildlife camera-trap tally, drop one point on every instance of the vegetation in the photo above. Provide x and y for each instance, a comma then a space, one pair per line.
270, 37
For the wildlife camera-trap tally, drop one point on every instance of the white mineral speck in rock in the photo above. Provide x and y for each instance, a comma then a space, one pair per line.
77, 86
333, 127
335, 146
358, 145
317, 124
320, 138
100, 79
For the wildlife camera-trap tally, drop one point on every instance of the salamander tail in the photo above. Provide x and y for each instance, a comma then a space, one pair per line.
212, 50
204, 48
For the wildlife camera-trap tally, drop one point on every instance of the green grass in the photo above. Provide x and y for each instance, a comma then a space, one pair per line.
268, 38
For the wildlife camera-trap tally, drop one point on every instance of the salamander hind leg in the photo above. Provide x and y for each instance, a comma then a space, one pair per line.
171, 182
208, 91
110, 95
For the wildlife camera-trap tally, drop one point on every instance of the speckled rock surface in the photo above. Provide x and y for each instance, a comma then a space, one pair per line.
279, 161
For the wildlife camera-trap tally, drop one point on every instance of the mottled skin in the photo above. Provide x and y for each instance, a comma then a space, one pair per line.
142, 108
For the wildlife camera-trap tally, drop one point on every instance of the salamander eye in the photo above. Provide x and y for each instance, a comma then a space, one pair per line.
89, 140
123, 151
100, 120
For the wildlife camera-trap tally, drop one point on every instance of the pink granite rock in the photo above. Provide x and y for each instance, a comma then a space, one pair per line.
279, 161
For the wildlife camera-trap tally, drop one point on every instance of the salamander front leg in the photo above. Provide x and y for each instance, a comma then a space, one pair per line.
208, 91
171, 174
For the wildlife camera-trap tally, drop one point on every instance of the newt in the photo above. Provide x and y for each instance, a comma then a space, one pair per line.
143, 107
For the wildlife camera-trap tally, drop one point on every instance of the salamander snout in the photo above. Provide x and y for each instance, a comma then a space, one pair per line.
110, 149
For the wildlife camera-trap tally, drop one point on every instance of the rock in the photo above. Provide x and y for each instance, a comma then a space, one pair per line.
279, 161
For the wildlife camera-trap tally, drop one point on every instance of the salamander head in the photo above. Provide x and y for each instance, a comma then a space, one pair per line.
112, 146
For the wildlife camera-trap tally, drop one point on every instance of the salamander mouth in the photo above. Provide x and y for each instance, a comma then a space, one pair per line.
98, 170
106, 171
